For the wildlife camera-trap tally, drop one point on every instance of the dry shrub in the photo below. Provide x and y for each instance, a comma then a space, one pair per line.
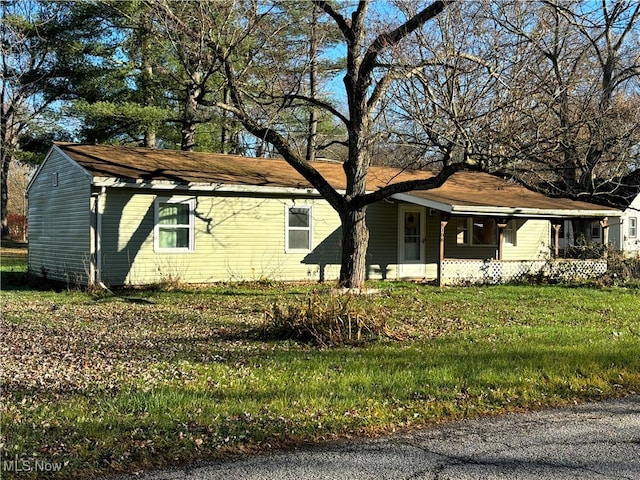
324, 320
621, 270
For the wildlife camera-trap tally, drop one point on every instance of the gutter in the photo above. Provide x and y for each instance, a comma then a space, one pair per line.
519, 212
535, 212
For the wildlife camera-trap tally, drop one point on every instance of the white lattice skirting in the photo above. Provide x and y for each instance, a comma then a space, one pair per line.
494, 271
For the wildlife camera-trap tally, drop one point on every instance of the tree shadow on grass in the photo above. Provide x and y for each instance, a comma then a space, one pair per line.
20, 281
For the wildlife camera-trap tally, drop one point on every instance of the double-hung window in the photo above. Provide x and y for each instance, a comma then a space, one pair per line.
633, 227
298, 235
510, 233
174, 225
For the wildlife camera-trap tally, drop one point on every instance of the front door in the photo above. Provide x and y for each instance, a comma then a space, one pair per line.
411, 241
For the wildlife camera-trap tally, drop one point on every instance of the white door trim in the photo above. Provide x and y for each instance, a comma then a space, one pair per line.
412, 268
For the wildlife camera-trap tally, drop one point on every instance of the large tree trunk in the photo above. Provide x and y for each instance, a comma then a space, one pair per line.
225, 142
355, 240
355, 234
146, 77
188, 132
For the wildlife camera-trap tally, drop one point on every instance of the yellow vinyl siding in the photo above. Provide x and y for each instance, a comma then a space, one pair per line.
60, 221
532, 243
127, 232
382, 255
242, 238
236, 238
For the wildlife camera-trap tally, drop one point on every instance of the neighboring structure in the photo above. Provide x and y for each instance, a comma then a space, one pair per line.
624, 231
119, 215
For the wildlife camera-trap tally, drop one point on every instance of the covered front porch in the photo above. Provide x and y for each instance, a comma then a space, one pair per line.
490, 271
466, 235
503, 232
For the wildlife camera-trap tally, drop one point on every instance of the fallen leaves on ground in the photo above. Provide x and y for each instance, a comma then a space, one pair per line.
67, 348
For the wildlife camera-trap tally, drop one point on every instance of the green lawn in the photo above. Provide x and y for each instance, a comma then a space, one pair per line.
103, 384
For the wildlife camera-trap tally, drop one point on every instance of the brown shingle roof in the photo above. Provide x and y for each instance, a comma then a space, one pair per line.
481, 189
467, 189
132, 163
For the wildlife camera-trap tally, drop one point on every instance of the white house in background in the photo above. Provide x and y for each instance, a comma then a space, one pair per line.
623, 231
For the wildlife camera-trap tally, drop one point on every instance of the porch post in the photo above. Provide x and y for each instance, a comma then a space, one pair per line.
444, 220
604, 223
556, 236
502, 224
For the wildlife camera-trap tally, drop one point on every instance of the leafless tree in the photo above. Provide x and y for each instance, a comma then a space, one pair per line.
545, 91
585, 68
193, 71
17, 181
370, 70
24, 63
449, 104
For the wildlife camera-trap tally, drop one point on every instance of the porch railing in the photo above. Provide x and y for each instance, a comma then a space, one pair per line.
462, 271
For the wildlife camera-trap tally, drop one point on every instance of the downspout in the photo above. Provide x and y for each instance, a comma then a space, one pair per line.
99, 237
97, 247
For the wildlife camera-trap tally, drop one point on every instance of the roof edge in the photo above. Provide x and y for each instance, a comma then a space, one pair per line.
55, 148
535, 212
407, 197
506, 211
202, 187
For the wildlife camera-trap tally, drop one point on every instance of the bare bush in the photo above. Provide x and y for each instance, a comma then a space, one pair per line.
324, 320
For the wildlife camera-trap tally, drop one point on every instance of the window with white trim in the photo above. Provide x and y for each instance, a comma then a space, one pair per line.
298, 235
596, 228
633, 227
174, 224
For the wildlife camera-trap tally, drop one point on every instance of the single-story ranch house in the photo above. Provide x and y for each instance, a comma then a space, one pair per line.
130, 216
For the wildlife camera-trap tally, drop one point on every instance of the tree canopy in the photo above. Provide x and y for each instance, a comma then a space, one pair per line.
545, 92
